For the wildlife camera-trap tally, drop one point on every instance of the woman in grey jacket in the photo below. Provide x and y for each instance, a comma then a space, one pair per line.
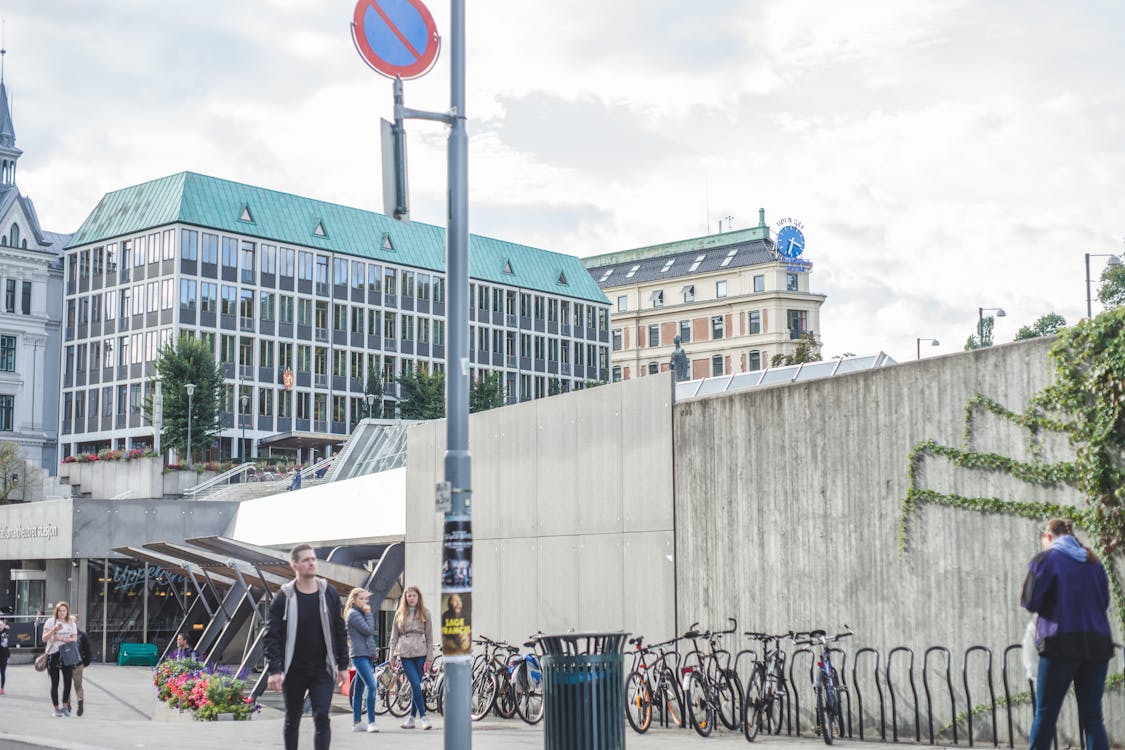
361, 648
412, 640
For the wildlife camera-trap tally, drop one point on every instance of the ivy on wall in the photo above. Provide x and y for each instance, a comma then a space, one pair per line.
1085, 402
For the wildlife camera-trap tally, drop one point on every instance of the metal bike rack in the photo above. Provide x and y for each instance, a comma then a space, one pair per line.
878, 687
1008, 692
948, 684
796, 692
913, 689
991, 691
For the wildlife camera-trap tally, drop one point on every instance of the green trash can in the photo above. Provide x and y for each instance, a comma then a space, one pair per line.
583, 691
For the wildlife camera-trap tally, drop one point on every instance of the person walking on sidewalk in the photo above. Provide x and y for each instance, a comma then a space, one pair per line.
305, 647
57, 630
5, 653
1068, 588
412, 641
361, 647
80, 669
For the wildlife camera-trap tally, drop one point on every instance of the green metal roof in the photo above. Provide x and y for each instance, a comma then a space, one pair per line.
760, 232
220, 205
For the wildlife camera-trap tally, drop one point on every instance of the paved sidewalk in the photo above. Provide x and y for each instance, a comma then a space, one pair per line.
122, 713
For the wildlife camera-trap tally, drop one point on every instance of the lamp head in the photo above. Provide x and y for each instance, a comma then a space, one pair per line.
190, 388
1114, 260
935, 342
1000, 313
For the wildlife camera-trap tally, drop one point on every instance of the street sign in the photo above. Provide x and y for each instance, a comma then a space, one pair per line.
397, 38
443, 497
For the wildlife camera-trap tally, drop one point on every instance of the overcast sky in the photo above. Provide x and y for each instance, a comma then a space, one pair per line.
942, 154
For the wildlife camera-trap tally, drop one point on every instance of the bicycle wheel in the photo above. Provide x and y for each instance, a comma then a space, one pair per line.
823, 716
399, 696
668, 699
752, 707
380, 698
430, 692
529, 700
729, 689
484, 695
773, 713
638, 702
838, 704
701, 704
505, 696
439, 694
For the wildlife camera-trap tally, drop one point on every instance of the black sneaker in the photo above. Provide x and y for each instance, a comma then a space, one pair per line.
80, 707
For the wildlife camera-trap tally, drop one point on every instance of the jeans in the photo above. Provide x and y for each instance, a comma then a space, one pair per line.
77, 680
317, 682
364, 678
54, 666
413, 668
1055, 677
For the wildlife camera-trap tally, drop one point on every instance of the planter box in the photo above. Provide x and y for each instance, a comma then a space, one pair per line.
175, 482
139, 479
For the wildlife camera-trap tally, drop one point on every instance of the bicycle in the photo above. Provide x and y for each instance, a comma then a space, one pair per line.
525, 675
826, 683
491, 686
713, 689
652, 684
766, 690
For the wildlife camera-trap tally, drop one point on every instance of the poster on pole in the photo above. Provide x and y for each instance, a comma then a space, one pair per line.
456, 587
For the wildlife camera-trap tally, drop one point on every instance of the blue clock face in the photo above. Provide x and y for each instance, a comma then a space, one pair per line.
790, 241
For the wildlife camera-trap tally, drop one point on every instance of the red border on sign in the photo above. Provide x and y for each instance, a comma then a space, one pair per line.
381, 66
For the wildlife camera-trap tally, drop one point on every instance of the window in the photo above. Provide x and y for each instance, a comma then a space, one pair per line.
189, 244
617, 339
622, 303
755, 360
247, 263
269, 261
389, 282
798, 321
695, 263
304, 312
246, 305
285, 305
754, 318
717, 327
720, 289
689, 293
187, 294
208, 294
374, 275
791, 282
357, 275
759, 283
339, 272
654, 336
110, 305
287, 264
729, 258
166, 294
8, 353
667, 265
26, 299
717, 364
228, 301
153, 296
653, 368
230, 252
685, 331
10, 295
340, 318
322, 270
265, 305
632, 272
210, 249
616, 374
658, 298
305, 266
7, 406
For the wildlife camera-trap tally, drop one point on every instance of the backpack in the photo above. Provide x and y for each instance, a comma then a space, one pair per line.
84, 648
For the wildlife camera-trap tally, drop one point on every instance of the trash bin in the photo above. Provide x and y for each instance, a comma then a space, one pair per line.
583, 691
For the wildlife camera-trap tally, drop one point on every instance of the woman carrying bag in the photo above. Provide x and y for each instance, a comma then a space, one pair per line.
60, 635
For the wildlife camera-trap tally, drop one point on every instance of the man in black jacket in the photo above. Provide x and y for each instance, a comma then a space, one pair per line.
306, 648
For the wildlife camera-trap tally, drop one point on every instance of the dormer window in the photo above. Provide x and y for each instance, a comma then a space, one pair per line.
246, 216
319, 231
632, 272
695, 263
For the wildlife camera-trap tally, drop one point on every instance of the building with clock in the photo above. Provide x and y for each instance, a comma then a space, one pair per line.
301, 301
31, 287
735, 299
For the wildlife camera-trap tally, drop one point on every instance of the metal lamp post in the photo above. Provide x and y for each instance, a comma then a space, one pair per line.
933, 342
370, 398
1113, 261
190, 388
245, 399
980, 323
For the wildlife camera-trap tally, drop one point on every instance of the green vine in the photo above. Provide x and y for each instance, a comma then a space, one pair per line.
1086, 402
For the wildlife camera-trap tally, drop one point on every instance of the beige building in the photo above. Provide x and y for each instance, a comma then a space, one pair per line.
730, 297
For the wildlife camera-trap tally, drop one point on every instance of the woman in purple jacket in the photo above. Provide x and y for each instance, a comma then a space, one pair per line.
1068, 588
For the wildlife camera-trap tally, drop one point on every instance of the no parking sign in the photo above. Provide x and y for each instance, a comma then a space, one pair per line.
397, 38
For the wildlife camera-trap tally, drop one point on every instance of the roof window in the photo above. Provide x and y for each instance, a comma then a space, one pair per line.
632, 272
696, 262
246, 215
319, 231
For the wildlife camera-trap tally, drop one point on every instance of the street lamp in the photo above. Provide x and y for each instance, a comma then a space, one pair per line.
980, 324
1113, 261
370, 398
190, 388
934, 342
245, 399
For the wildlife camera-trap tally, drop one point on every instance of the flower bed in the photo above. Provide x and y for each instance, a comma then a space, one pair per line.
109, 455
208, 693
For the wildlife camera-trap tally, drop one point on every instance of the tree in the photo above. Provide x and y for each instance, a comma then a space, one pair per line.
486, 393
808, 350
375, 388
1111, 293
984, 342
18, 476
421, 395
1047, 325
554, 386
189, 360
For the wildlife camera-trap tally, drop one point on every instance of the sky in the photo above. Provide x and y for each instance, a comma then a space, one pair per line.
943, 155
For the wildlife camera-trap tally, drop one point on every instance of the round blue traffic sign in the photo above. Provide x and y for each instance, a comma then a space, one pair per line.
397, 38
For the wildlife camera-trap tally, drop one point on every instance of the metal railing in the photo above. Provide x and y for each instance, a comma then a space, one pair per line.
224, 478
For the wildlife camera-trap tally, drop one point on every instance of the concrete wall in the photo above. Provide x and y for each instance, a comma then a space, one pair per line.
572, 512
788, 498
136, 479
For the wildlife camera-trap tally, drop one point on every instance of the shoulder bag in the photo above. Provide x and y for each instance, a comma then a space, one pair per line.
69, 654
41, 662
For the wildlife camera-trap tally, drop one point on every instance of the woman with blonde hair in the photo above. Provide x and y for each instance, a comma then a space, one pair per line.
57, 630
361, 648
412, 641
